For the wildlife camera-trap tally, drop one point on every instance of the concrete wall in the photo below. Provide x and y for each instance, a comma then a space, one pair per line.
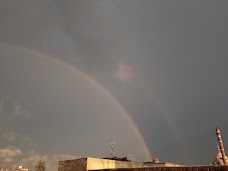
73, 165
89, 163
23, 169
95, 164
166, 164
189, 168
98, 164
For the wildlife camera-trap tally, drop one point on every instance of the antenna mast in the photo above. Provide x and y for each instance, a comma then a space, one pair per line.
112, 144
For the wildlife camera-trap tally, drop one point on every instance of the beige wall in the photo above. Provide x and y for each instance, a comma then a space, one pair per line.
23, 169
150, 164
89, 163
73, 165
97, 164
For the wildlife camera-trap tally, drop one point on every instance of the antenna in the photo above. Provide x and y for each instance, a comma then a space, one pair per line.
112, 144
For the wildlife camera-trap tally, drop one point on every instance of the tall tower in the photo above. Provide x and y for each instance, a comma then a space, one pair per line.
224, 158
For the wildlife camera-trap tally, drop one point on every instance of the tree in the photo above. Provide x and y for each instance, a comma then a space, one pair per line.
41, 166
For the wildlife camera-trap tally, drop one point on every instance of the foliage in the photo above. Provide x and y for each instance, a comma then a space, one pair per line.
41, 166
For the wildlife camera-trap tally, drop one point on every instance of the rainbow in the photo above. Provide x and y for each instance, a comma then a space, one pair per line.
92, 81
169, 122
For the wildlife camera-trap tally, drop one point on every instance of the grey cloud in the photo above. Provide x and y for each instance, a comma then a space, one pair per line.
124, 73
8, 154
65, 109
14, 157
12, 136
11, 106
20, 112
30, 160
1, 104
176, 49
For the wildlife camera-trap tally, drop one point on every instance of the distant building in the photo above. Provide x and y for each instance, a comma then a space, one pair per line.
20, 168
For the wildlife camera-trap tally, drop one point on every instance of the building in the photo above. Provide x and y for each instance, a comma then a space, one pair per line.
89, 163
163, 164
122, 164
20, 168
24, 169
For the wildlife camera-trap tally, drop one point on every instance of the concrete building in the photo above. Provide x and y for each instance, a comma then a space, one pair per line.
163, 164
89, 163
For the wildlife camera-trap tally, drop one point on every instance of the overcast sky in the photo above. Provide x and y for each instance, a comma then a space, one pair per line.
164, 61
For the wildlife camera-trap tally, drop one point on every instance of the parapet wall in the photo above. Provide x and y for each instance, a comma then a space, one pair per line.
99, 164
187, 168
85, 164
73, 165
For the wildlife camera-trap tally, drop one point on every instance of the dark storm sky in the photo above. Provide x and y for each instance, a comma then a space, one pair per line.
165, 61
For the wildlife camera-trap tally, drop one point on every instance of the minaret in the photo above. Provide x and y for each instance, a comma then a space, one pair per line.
224, 158
218, 149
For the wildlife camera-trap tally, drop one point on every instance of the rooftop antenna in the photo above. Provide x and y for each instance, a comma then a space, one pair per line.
112, 144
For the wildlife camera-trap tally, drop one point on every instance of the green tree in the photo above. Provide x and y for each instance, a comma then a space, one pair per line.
40, 166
